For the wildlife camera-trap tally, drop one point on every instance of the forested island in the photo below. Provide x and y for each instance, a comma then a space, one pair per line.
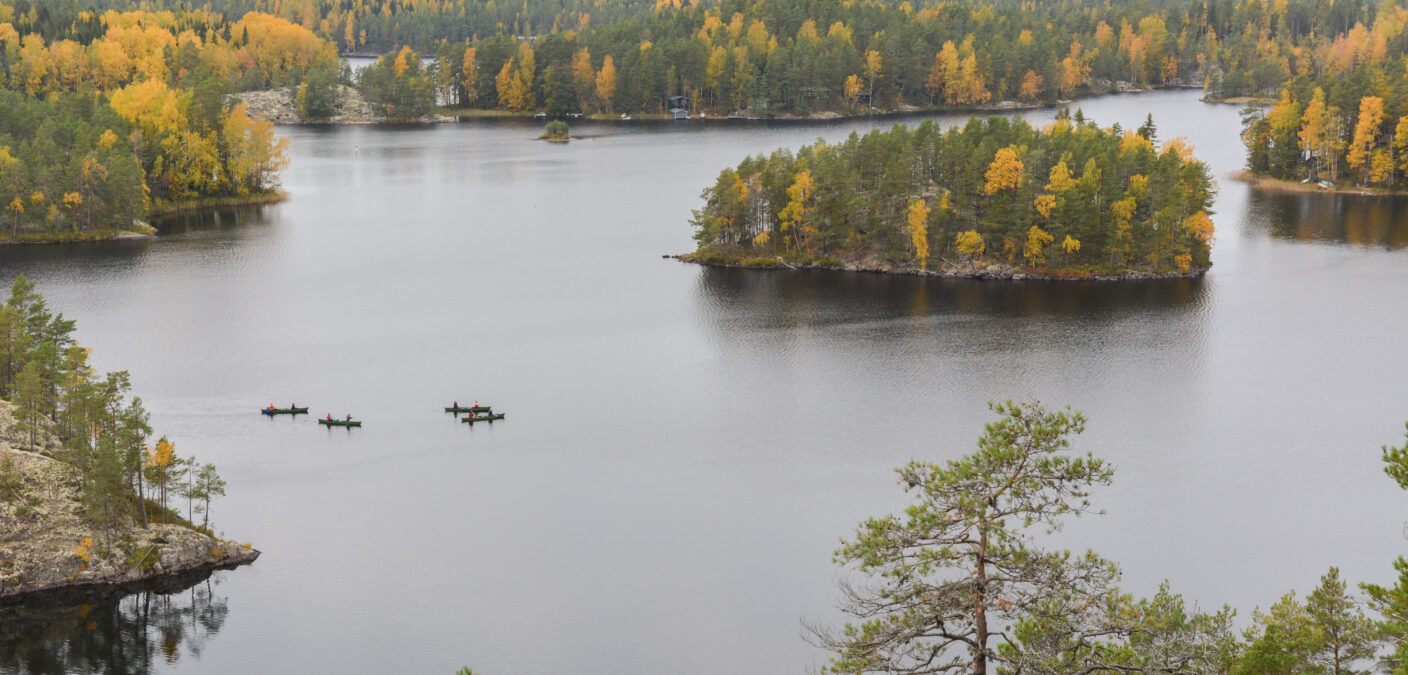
86, 498
996, 197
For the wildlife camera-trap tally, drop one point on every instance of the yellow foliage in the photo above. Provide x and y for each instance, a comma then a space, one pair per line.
741, 188
513, 94
1059, 179
1184, 262
795, 212
807, 33
762, 239
872, 65
915, 216
840, 30
1044, 204
150, 105
1380, 165
606, 81
1071, 245
1031, 86
403, 61
1179, 147
1124, 209
852, 88
1035, 248
1132, 142
1366, 132
1005, 171
1315, 134
970, 243
1200, 226
107, 139
84, 551
161, 455
1138, 183
252, 151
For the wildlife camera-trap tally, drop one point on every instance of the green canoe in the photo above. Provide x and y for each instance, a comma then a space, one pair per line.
340, 423
284, 411
469, 409
483, 418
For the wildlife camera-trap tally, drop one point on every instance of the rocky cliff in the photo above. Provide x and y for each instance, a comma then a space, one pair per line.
47, 545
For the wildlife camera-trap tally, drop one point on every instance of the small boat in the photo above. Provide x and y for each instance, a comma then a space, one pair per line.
340, 423
284, 411
483, 418
468, 409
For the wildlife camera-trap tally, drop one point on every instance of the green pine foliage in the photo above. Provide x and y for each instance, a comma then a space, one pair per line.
1073, 198
102, 430
54, 147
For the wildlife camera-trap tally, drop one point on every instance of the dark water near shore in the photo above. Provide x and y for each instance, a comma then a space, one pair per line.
685, 445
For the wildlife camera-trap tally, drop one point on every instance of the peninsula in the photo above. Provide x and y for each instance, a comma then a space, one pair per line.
85, 500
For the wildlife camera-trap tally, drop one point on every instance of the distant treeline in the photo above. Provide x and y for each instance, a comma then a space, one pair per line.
789, 56
1072, 197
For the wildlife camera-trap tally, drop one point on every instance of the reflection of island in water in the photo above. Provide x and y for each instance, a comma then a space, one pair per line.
117, 631
1380, 221
778, 298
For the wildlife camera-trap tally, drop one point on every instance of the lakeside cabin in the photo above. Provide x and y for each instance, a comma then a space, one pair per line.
679, 107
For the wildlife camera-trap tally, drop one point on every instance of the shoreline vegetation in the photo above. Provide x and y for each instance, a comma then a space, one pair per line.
995, 199
142, 229
1293, 186
978, 268
86, 501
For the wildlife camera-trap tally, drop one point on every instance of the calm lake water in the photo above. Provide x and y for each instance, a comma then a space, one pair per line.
685, 445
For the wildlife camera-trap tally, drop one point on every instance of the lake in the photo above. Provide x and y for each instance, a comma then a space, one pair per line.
683, 445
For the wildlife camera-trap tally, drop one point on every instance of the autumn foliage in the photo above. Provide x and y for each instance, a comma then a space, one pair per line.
133, 118
996, 187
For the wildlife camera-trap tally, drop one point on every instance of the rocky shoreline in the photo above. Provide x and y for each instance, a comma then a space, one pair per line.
976, 269
280, 107
48, 548
176, 567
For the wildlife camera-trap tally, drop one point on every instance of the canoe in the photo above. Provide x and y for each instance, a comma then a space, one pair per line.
483, 418
469, 409
284, 411
340, 423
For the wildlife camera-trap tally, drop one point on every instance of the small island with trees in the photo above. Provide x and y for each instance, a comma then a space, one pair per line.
87, 501
556, 131
994, 198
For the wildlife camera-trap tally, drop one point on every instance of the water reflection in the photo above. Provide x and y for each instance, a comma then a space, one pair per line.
223, 219
778, 298
109, 632
1339, 218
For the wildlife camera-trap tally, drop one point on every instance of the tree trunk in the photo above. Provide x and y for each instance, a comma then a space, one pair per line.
980, 620
141, 494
